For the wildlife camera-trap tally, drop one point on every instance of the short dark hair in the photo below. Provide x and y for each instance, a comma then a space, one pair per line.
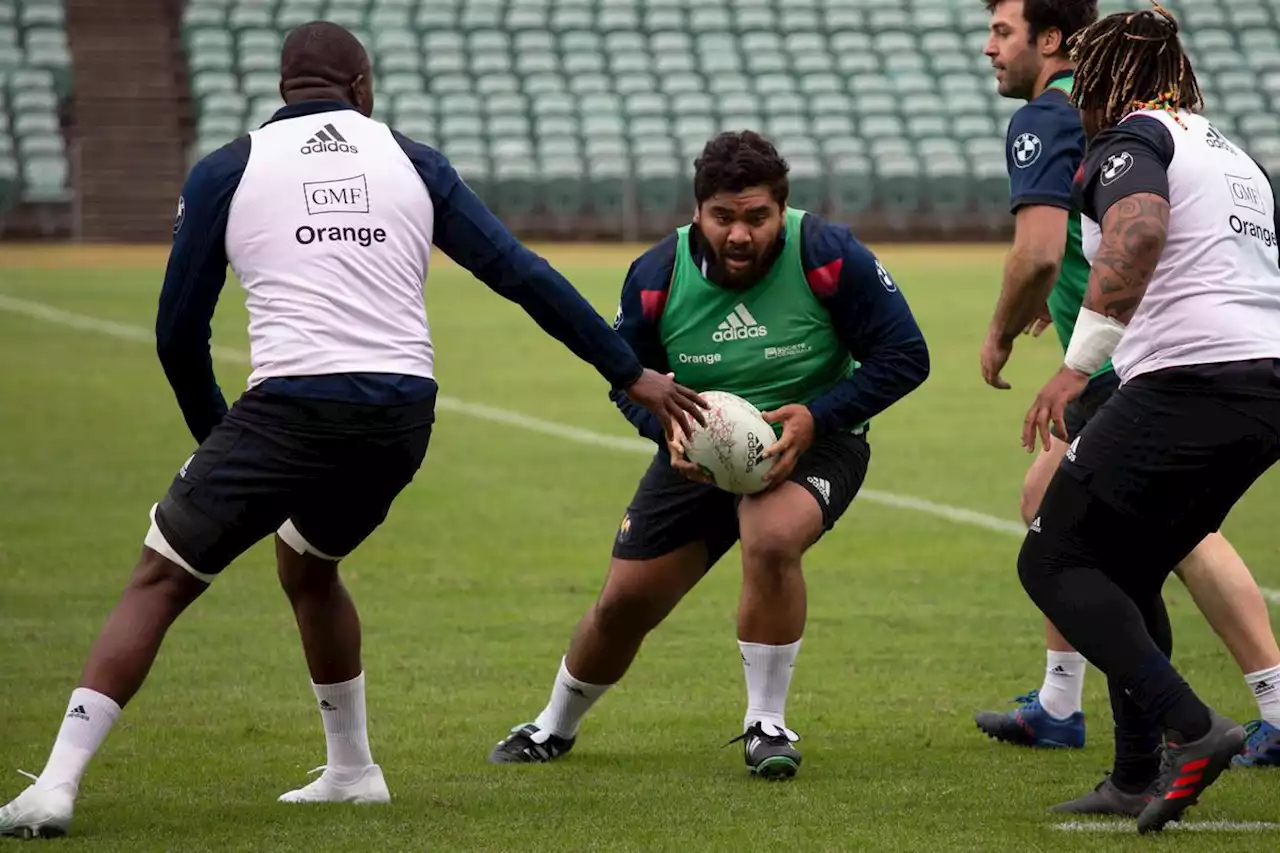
321, 53
733, 161
1067, 16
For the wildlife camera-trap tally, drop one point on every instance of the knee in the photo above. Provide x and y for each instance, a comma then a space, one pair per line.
303, 575
156, 574
771, 551
630, 609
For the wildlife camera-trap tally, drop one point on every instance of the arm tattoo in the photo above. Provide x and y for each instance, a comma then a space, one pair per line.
1133, 237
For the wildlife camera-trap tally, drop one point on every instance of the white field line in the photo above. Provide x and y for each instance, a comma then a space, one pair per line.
565, 432
1129, 827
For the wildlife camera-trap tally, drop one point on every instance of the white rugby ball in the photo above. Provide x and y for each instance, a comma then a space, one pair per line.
730, 447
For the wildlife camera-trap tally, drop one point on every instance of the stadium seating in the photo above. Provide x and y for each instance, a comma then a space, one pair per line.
35, 76
598, 107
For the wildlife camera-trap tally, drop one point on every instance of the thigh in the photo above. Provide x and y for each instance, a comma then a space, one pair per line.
235, 489
832, 470
668, 512
371, 455
1176, 457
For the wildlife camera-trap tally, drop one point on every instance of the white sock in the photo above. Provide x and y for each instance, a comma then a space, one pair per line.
346, 733
1265, 685
89, 717
1063, 691
768, 672
570, 700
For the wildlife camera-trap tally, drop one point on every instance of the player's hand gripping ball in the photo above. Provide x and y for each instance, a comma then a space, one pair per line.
730, 448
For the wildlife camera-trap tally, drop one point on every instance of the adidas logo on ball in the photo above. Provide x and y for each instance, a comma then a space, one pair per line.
739, 326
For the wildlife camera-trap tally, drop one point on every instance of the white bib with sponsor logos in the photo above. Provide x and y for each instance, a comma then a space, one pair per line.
330, 235
1215, 295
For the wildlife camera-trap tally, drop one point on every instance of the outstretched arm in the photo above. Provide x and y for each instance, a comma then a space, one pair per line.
471, 235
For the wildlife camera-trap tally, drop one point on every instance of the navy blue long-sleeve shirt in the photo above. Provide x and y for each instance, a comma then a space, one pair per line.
464, 229
868, 311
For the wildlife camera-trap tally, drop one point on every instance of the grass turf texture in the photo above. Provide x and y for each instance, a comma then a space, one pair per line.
470, 591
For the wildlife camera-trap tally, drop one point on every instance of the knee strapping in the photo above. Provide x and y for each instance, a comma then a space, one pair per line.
290, 535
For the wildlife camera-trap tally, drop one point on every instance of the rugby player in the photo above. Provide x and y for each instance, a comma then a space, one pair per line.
1029, 49
1184, 298
327, 218
794, 314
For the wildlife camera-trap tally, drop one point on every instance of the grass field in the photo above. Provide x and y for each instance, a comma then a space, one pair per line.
469, 593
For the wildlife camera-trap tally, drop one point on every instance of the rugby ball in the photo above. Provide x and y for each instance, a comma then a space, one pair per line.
730, 448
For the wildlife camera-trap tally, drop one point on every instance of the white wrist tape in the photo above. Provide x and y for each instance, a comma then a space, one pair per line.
1094, 340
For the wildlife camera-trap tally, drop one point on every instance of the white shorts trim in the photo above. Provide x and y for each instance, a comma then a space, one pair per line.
289, 534
156, 542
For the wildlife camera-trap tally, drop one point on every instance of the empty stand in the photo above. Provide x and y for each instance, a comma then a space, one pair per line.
35, 80
565, 111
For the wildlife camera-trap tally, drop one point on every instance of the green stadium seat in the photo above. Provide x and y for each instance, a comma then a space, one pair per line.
603, 103
634, 83
11, 58
245, 18
607, 179
543, 83
1262, 124
563, 191
534, 41
495, 84
605, 147
513, 148
617, 19
600, 125
31, 78
9, 182
42, 15
556, 127
34, 100
29, 123
591, 84
444, 84
509, 127
514, 187
658, 187
260, 83
390, 19
432, 17
625, 42
45, 180
829, 126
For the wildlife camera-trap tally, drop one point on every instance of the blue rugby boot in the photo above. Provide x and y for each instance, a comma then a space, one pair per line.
1031, 725
1262, 748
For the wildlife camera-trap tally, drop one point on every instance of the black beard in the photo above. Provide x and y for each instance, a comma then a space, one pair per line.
713, 267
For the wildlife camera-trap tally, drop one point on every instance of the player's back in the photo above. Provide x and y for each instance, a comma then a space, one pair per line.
1215, 293
330, 234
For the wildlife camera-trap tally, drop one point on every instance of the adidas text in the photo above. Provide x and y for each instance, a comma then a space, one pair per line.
329, 148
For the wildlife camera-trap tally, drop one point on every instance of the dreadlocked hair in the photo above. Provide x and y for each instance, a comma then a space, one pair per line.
1133, 61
